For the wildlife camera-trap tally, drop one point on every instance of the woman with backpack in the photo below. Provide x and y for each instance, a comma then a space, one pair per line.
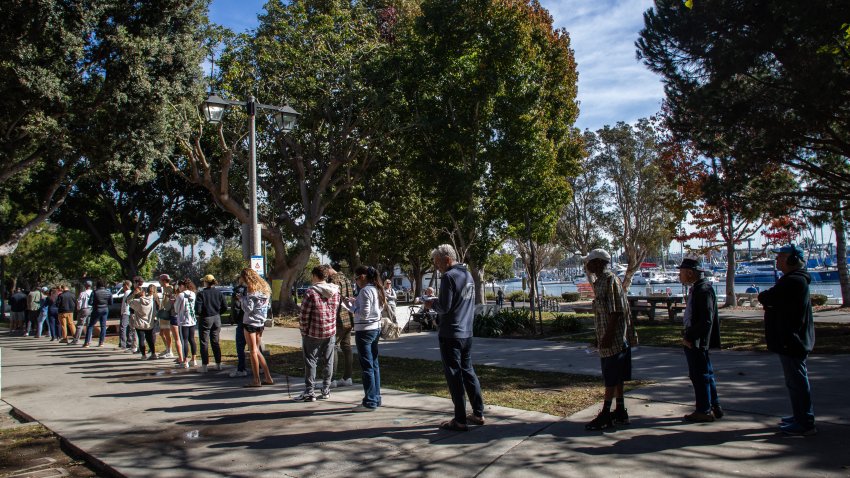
184, 307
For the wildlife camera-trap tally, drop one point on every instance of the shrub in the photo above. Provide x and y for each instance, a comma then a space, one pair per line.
571, 296
566, 323
818, 299
503, 322
517, 295
489, 296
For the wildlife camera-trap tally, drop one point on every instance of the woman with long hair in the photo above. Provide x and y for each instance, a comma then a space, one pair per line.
184, 307
255, 306
366, 308
144, 307
52, 303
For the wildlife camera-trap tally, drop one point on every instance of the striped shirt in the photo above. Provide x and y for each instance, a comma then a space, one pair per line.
610, 299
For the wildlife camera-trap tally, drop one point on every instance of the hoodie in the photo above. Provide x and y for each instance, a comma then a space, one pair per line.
789, 327
318, 311
144, 313
255, 307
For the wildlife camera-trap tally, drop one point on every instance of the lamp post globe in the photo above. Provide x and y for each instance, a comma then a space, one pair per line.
286, 118
214, 108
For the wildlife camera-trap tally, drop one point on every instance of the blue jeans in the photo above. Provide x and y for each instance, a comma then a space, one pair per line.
701, 373
98, 316
39, 320
797, 381
240, 347
53, 323
126, 336
367, 348
460, 376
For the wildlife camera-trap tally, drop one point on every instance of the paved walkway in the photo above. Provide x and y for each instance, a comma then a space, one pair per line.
145, 419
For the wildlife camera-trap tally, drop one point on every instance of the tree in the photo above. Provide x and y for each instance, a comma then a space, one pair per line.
580, 224
88, 88
767, 82
332, 53
500, 266
226, 264
491, 88
644, 210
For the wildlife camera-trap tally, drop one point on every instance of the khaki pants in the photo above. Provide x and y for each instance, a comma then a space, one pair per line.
66, 325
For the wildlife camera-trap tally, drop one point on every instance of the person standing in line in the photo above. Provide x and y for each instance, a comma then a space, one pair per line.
167, 317
129, 291
455, 307
33, 311
184, 307
789, 331
18, 306
209, 306
66, 304
101, 300
237, 316
255, 306
500, 297
615, 337
344, 324
392, 298
51, 301
701, 331
367, 332
317, 322
83, 311
143, 306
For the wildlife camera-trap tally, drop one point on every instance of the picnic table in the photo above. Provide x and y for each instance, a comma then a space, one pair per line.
648, 304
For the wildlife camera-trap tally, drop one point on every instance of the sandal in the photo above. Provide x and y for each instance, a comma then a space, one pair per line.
252, 385
454, 426
269, 382
474, 419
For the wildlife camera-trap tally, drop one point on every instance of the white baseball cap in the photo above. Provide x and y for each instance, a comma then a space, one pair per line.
597, 254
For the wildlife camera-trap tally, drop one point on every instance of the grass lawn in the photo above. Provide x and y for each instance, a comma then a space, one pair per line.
559, 394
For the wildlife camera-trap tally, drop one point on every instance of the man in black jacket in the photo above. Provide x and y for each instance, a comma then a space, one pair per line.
209, 306
66, 304
701, 332
789, 331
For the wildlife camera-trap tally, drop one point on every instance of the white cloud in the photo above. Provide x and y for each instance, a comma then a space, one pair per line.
613, 86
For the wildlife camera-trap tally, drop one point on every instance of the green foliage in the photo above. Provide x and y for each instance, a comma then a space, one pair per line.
570, 296
518, 296
499, 267
818, 299
504, 322
566, 323
226, 264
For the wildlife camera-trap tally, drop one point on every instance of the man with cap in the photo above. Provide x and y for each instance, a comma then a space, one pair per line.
789, 331
83, 310
701, 331
615, 337
209, 305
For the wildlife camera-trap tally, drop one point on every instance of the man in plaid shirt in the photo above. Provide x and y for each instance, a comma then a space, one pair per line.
318, 327
615, 337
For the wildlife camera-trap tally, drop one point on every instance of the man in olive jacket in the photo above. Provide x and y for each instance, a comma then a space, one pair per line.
701, 331
789, 331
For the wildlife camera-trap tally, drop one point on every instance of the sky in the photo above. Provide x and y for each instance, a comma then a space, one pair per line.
613, 86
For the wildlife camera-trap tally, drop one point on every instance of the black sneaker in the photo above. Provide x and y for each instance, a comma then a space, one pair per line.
603, 421
717, 412
699, 417
326, 394
620, 416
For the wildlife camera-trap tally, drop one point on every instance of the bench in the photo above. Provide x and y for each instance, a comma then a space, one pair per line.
585, 290
638, 308
582, 309
109, 323
750, 298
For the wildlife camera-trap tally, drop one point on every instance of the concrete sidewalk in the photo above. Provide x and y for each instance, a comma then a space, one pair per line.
146, 419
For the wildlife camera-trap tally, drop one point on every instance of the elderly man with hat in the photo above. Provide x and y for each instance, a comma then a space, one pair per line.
789, 331
209, 305
615, 337
701, 331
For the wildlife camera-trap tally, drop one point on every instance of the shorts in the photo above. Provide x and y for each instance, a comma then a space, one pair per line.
617, 369
253, 329
172, 321
164, 324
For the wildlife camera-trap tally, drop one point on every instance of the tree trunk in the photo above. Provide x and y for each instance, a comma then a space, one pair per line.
730, 274
287, 268
838, 225
478, 278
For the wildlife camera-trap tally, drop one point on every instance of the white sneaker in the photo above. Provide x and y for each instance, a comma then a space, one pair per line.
179, 365
185, 365
217, 366
342, 383
143, 357
238, 373
167, 355
192, 363
203, 369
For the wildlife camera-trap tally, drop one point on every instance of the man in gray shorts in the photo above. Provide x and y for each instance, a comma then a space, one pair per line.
615, 337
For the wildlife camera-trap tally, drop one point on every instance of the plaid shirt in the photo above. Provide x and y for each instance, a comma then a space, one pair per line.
610, 299
318, 315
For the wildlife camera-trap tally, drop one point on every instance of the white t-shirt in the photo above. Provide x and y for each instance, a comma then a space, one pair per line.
184, 307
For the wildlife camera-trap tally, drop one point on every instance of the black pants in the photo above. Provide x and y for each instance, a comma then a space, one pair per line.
187, 339
147, 335
460, 376
209, 332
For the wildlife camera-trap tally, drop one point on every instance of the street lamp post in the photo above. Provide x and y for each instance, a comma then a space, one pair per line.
285, 117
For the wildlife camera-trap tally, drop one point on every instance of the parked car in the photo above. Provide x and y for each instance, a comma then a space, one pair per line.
118, 295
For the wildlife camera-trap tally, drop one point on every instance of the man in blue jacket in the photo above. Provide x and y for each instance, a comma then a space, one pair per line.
789, 331
701, 331
456, 308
